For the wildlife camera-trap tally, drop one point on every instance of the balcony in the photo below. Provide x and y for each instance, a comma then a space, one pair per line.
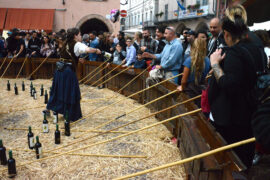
177, 15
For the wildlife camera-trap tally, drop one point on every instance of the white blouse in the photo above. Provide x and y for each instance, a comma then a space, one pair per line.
80, 48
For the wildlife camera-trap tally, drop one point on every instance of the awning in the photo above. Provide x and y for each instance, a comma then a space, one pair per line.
30, 19
257, 11
3, 12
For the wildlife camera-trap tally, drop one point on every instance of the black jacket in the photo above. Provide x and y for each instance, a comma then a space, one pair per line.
261, 124
228, 98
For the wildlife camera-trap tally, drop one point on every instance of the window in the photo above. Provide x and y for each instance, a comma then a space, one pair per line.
166, 12
205, 2
151, 16
198, 1
146, 16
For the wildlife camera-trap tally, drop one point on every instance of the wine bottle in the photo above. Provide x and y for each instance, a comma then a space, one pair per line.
57, 135
55, 117
23, 86
46, 97
67, 125
35, 93
45, 125
30, 138
3, 156
41, 90
31, 87
11, 166
16, 89
8, 86
38, 148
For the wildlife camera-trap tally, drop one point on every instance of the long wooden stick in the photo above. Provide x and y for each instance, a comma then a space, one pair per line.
132, 122
83, 154
3, 62
95, 111
39, 66
129, 112
109, 140
88, 80
75, 130
21, 67
7, 67
106, 74
21, 109
129, 82
196, 157
114, 76
93, 71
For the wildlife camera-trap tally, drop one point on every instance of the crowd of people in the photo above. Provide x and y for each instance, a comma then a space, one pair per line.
224, 65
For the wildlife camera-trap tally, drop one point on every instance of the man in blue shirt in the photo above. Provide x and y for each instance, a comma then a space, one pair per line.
93, 44
131, 53
171, 57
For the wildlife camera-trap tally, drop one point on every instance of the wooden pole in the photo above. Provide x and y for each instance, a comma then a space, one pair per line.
95, 74
75, 130
132, 122
196, 157
3, 62
7, 67
106, 141
93, 71
114, 76
85, 155
22, 109
39, 66
129, 83
95, 111
131, 111
106, 74
22, 67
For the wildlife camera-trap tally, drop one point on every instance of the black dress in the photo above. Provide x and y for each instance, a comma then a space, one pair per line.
65, 94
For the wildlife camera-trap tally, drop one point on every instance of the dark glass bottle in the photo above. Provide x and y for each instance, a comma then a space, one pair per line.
3, 156
11, 166
45, 125
57, 135
67, 125
46, 97
34, 93
30, 137
31, 87
16, 89
8, 85
41, 90
23, 86
38, 148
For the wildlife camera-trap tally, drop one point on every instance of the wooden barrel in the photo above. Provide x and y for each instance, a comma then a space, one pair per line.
194, 133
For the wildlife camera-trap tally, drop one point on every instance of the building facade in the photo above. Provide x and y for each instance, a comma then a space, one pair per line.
87, 15
151, 13
140, 13
196, 15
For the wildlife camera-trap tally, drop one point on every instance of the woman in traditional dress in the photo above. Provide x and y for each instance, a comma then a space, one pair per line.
65, 94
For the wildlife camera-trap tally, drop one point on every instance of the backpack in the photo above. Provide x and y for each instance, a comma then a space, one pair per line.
262, 86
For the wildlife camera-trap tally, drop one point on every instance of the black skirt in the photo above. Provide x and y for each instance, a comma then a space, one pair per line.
65, 94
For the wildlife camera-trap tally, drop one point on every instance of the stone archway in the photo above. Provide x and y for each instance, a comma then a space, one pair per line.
102, 24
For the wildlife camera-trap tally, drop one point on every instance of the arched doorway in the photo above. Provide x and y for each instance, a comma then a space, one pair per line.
94, 22
93, 25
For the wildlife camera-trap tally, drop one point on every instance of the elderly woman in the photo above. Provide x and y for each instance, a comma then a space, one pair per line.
234, 77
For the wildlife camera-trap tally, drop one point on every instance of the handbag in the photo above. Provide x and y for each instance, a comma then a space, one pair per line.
60, 65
